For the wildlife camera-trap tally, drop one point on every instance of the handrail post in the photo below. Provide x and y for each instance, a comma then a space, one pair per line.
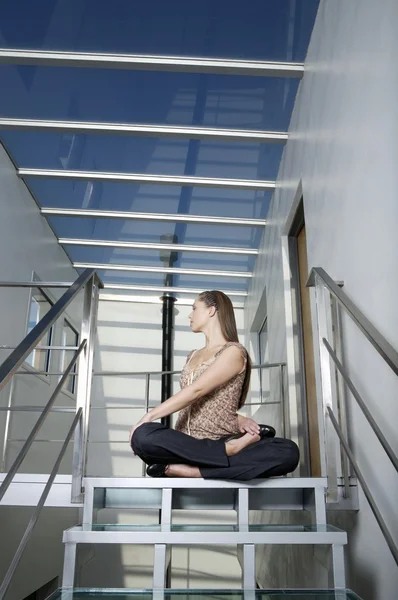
7, 426
340, 393
84, 383
282, 401
147, 384
328, 454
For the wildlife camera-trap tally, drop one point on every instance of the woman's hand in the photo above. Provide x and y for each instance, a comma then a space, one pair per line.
247, 425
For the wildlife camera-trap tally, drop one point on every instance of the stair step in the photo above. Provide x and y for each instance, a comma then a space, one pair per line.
170, 594
191, 494
166, 494
204, 534
195, 483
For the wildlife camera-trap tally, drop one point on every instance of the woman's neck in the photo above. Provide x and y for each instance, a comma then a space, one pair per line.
214, 339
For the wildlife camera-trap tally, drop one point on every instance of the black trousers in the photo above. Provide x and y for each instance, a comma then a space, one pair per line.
157, 444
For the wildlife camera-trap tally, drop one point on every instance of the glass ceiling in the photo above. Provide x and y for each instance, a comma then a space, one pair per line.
265, 30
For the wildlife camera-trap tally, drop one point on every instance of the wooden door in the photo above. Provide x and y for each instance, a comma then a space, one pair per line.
308, 353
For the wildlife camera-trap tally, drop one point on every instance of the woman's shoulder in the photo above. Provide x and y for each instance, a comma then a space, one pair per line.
237, 345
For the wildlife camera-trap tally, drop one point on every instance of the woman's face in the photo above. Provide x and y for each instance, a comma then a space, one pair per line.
199, 316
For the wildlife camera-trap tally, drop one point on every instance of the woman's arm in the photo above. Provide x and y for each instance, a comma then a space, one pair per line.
224, 368
227, 366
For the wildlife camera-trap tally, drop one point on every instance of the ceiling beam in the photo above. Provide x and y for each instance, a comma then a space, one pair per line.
216, 66
148, 246
110, 214
177, 271
146, 130
112, 296
145, 288
142, 178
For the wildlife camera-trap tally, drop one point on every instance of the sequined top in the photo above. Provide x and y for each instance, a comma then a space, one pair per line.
214, 415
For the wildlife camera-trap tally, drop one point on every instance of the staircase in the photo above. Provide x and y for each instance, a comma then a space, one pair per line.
169, 494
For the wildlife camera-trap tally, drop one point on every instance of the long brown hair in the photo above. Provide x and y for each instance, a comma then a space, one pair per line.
226, 316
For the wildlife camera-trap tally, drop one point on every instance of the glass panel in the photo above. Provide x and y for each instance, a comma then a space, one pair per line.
197, 284
189, 260
151, 258
84, 94
229, 203
234, 262
265, 374
231, 236
210, 283
70, 337
145, 279
33, 149
263, 343
34, 312
264, 30
39, 306
150, 198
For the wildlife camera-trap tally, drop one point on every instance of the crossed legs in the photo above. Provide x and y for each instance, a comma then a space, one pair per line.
241, 459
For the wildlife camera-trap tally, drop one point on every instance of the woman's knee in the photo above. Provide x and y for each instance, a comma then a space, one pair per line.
293, 454
141, 440
288, 453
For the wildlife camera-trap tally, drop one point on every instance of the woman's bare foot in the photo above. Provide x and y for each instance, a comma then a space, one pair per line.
182, 471
235, 446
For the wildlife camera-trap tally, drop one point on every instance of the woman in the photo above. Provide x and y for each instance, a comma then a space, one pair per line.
210, 439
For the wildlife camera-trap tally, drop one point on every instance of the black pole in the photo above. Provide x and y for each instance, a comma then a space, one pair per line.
167, 350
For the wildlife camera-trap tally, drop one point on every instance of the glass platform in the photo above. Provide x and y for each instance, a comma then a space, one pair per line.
170, 594
199, 527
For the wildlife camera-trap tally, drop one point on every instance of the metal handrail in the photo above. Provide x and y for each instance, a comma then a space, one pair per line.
12, 363
389, 451
33, 520
36, 284
131, 373
66, 348
62, 409
366, 491
317, 277
377, 340
17, 462
126, 373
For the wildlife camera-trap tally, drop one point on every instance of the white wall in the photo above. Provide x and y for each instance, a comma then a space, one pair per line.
344, 147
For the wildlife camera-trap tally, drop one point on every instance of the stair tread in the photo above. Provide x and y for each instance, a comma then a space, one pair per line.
192, 483
237, 594
198, 527
200, 534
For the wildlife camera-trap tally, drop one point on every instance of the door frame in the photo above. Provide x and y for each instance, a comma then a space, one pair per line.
298, 420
